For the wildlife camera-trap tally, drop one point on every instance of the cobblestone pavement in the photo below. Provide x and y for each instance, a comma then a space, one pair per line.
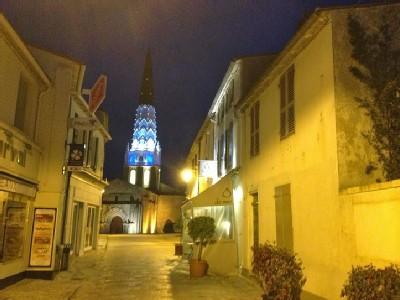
132, 267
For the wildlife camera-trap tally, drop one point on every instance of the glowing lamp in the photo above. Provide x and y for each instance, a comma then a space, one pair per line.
186, 175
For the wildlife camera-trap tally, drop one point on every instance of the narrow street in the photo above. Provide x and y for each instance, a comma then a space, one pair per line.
132, 267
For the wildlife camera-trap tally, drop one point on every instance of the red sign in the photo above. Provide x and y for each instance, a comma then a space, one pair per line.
98, 93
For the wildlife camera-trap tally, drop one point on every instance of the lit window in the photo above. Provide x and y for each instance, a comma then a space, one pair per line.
132, 177
146, 177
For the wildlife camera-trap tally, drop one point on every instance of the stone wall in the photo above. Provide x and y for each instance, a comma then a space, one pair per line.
169, 207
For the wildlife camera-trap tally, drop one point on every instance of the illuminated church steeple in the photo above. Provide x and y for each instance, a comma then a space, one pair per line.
143, 156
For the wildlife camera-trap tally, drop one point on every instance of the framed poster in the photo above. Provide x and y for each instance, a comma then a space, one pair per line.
42, 237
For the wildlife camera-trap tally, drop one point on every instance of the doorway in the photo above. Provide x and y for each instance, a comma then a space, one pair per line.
256, 228
117, 225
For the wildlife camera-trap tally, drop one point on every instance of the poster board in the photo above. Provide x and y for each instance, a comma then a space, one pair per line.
42, 237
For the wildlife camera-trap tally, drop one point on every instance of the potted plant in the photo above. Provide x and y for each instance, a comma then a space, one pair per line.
201, 230
370, 283
279, 272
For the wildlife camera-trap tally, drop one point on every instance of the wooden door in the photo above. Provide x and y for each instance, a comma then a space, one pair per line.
117, 225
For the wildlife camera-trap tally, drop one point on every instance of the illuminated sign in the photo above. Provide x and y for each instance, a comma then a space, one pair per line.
76, 155
208, 168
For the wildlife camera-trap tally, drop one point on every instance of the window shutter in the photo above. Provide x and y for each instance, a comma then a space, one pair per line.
290, 78
283, 124
291, 120
257, 116
282, 87
283, 212
96, 153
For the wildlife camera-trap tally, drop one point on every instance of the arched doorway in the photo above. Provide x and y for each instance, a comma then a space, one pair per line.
116, 225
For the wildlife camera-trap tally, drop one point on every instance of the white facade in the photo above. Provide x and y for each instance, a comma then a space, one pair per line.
214, 160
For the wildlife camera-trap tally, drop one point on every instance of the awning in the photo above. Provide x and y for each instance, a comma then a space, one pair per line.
218, 194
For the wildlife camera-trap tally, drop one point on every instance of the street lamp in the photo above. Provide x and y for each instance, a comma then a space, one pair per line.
186, 175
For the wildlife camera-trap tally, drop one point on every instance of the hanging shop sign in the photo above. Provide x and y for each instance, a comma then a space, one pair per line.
42, 237
76, 155
81, 123
98, 93
208, 168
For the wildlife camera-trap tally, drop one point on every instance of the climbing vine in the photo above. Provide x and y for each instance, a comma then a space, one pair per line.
376, 50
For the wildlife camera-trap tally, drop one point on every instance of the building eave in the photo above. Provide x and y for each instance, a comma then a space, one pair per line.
307, 32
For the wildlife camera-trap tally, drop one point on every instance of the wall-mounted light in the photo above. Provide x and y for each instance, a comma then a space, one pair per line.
187, 175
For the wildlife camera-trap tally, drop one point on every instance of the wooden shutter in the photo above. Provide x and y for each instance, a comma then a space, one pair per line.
290, 84
252, 131
257, 128
282, 87
290, 102
291, 120
96, 148
283, 211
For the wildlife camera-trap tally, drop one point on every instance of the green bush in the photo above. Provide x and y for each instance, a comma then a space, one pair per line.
369, 283
201, 230
279, 272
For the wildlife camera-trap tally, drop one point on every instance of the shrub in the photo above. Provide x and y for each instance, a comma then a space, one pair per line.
370, 283
280, 272
201, 230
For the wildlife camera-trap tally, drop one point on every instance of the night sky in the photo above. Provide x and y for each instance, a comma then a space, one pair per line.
191, 41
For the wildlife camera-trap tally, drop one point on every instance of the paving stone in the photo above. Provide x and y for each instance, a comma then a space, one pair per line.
130, 267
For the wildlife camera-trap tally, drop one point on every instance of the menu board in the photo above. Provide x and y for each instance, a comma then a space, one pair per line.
42, 237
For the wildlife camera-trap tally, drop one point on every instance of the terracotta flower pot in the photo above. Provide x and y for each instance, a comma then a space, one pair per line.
198, 268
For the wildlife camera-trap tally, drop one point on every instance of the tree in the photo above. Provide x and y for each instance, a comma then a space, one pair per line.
376, 49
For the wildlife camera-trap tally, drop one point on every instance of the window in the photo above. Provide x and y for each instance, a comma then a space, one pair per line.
13, 216
287, 117
96, 149
223, 218
90, 226
255, 129
231, 93
220, 155
146, 177
283, 211
228, 147
19, 120
132, 177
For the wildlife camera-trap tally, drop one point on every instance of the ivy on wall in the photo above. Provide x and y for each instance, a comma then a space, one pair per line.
376, 49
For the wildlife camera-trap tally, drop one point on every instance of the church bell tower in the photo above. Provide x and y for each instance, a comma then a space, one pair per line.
143, 153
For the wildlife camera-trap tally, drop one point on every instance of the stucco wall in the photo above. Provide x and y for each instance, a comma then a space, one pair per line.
307, 160
373, 222
13, 67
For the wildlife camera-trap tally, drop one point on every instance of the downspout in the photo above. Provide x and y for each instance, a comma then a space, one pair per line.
67, 183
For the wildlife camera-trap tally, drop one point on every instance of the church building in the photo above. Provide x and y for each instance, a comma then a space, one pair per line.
139, 202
